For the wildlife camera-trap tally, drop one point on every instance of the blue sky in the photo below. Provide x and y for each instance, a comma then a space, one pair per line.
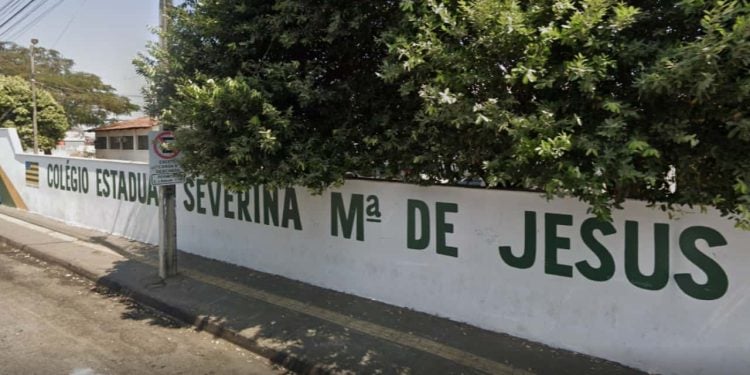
101, 36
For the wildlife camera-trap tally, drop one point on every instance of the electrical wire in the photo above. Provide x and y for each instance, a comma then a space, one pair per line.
23, 18
16, 13
70, 21
19, 28
10, 7
36, 20
69, 89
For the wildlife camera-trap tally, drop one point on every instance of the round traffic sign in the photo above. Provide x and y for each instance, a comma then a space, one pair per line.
164, 147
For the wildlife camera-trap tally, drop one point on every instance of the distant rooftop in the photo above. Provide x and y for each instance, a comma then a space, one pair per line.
137, 123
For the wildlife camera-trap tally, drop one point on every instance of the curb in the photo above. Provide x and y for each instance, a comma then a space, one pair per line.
200, 322
6, 242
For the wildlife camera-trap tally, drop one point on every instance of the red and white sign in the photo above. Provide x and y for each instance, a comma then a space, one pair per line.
163, 159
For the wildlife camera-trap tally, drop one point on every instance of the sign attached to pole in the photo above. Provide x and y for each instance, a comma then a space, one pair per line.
163, 159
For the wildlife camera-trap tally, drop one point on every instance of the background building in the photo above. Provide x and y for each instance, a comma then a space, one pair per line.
78, 142
125, 140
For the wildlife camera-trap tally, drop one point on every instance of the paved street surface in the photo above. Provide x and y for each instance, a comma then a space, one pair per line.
54, 322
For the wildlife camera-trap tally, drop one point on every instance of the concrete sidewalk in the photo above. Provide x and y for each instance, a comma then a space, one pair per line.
304, 328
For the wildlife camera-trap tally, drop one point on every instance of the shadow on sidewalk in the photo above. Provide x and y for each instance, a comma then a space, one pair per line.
314, 330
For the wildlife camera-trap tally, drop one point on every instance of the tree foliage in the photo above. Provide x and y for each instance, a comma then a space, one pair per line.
85, 98
271, 92
598, 99
16, 107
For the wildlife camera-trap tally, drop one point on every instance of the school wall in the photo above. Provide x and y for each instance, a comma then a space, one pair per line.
662, 294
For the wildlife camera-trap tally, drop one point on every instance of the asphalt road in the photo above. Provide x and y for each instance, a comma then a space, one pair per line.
53, 322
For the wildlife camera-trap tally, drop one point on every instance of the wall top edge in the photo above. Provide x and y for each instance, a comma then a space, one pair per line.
95, 160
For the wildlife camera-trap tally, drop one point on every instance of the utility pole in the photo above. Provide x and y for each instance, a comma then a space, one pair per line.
167, 211
33, 96
164, 6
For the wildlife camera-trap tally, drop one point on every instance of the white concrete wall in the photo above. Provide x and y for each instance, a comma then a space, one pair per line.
58, 198
674, 329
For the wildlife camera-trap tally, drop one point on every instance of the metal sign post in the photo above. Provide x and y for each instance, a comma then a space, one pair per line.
165, 172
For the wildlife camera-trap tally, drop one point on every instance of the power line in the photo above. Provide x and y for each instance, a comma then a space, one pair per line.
23, 18
77, 90
36, 20
16, 13
16, 25
9, 7
68, 89
70, 21
32, 23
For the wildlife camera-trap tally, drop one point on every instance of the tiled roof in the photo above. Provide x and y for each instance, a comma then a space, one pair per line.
137, 123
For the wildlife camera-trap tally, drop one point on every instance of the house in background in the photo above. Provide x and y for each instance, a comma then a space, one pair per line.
78, 142
125, 140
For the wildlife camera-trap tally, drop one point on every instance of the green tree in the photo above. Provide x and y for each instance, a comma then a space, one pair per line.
16, 108
277, 92
85, 98
596, 99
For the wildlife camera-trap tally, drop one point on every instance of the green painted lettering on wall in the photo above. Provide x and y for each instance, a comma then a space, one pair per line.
98, 173
132, 187
717, 282
189, 202
442, 228
50, 175
199, 194
107, 175
243, 202
270, 207
291, 210
228, 198
110, 183
142, 187
236, 205
659, 278
122, 189
105, 189
152, 195
373, 208
347, 220
421, 241
553, 243
55, 178
606, 268
526, 260
120, 185
412, 241
85, 180
256, 207
68, 178
214, 197
113, 176
280, 208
